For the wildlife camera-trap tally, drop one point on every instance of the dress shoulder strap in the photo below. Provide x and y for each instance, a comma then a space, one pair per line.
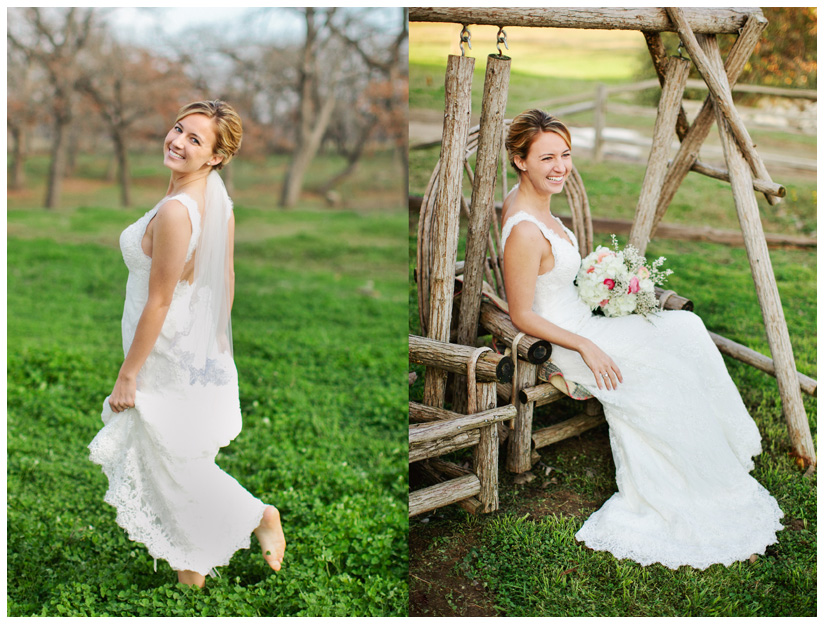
191, 205
516, 219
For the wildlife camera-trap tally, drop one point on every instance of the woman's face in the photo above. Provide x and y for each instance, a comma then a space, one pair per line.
189, 145
548, 162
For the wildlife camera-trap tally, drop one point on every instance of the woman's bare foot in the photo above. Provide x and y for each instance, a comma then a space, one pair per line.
191, 578
271, 536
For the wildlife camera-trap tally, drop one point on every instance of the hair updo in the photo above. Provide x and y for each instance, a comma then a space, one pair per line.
228, 128
526, 127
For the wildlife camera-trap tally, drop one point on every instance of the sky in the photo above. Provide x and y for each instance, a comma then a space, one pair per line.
150, 25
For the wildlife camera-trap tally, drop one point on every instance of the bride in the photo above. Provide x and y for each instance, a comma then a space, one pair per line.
175, 401
681, 437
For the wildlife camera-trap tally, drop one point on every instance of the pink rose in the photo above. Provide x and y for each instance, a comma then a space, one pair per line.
634, 285
610, 283
601, 255
591, 270
604, 302
643, 272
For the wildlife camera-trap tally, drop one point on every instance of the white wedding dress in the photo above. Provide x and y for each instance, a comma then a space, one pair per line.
160, 455
681, 437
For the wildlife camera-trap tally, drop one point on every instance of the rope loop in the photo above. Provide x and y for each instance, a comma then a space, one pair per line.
471, 378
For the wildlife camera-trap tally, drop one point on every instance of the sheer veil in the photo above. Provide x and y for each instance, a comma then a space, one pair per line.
211, 303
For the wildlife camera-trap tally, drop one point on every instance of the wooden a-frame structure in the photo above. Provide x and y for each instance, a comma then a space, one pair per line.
439, 227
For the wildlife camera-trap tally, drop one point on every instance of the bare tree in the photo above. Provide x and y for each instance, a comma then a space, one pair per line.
25, 106
315, 108
54, 38
127, 85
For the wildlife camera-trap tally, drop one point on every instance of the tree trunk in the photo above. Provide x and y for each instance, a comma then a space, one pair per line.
57, 166
18, 157
122, 156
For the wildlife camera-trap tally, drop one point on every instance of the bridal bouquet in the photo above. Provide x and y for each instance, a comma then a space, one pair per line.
618, 283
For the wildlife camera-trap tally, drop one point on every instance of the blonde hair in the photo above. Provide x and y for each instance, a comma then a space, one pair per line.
525, 127
228, 127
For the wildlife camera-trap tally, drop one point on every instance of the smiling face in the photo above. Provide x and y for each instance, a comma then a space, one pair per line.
189, 145
548, 163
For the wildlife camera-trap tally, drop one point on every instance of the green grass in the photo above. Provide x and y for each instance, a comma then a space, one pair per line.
319, 342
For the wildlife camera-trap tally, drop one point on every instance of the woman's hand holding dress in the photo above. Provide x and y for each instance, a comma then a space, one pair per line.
171, 231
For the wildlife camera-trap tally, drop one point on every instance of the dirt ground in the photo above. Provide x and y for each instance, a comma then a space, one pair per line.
438, 585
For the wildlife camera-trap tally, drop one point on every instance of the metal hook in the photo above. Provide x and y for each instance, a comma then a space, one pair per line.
464, 37
501, 38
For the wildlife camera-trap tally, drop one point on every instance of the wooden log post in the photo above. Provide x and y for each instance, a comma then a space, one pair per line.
599, 116
763, 277
519, 441
493, 105
670, 104
659, 56
688, 153
457, 104
719, 88
485, 454
482, 206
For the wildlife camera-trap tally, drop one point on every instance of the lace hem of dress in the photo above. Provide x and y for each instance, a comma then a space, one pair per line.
147, 518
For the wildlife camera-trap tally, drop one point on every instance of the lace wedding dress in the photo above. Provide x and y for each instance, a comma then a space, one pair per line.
681, 437
160, 455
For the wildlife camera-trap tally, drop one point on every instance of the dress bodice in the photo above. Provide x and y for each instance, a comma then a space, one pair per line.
556, 297
131, 238
140, 265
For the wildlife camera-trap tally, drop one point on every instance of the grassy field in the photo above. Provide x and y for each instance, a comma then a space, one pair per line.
321, 350
523, 560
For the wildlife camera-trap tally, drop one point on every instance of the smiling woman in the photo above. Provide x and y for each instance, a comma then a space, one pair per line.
175, 402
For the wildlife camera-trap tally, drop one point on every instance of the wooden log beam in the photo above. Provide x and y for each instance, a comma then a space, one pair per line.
444, 494
671, 300
759, 361
763, 277
566, 429
607, 18
458, 84
540, 394
719, 88
498, 323
669, 107
439, 471
518, 443
427, 432
453, 358
421, 413
694, 138
763, 186
442, 446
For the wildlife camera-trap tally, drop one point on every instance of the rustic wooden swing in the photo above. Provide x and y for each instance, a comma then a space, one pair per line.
478, 278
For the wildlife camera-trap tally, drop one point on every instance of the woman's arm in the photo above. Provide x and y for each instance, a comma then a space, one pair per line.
522, 264
171, 232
